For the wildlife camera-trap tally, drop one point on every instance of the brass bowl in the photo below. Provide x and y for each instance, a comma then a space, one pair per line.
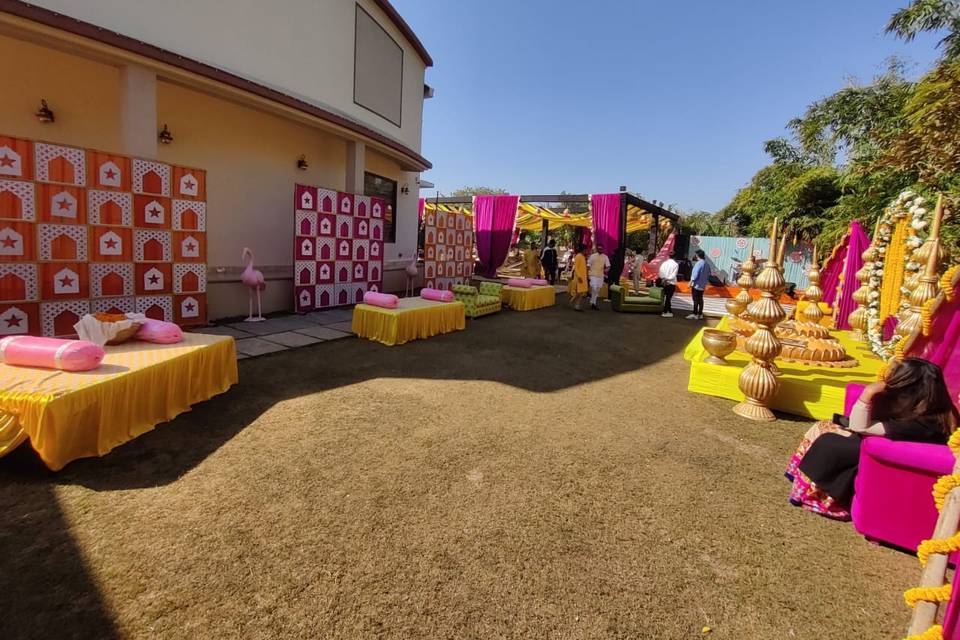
719, 344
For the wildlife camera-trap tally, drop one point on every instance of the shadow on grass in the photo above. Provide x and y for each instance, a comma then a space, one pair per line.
540, 351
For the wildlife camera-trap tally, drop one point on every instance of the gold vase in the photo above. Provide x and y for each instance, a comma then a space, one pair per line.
911, 322
758, 382
858, 319
719, 344
738, 304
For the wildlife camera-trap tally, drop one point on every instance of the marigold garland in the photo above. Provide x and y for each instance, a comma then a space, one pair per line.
943, 486
944, 546
933, 633
927, 594
948, 282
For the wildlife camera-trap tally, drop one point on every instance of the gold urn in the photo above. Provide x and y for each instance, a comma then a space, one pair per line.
719, 344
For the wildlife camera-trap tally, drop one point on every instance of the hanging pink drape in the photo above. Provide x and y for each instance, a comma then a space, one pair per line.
420, 207
844, 305
605, 208
493, 218
651, 270
942, 346
830, 274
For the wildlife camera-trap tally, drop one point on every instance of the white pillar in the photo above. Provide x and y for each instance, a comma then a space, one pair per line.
138, 111
356, 164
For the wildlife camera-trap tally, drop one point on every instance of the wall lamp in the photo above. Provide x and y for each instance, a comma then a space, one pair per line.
44, 114
165, 136
404, 189
302, 163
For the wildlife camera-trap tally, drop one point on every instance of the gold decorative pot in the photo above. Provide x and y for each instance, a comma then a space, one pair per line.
719, 344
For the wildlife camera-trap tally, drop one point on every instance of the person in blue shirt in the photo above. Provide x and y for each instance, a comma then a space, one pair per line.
699, 279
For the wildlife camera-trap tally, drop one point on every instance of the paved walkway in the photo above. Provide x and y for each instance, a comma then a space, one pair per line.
280, 333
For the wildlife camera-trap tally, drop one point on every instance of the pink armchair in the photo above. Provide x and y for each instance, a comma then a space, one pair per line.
893, 495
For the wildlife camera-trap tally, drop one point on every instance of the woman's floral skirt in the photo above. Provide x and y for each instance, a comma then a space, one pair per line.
805, 492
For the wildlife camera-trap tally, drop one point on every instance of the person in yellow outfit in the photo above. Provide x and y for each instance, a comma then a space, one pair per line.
578, 281
531, 262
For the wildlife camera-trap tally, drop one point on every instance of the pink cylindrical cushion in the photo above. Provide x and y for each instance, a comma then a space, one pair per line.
539, 282
159, 332
51, 353
520, 282
438, 295
385, 300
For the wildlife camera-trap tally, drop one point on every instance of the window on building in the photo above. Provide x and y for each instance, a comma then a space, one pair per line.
374, 185
377, 69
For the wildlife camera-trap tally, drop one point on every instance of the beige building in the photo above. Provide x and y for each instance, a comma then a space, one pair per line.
246, 88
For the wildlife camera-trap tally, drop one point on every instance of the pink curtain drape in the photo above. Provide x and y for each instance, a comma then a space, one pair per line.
651, 270
493, 218
844, 305
830, 274
941, 346
605, 209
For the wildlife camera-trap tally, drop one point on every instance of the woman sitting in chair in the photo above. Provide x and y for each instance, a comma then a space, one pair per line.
912, 404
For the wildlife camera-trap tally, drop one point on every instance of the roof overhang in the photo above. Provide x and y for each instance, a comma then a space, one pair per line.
25, 21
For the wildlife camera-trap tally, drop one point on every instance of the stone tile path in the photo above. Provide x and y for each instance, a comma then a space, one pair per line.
285, 332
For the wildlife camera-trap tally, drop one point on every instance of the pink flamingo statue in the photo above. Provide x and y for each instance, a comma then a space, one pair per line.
411, 271
253, 280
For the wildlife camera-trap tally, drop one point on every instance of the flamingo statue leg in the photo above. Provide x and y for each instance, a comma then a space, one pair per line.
259, 306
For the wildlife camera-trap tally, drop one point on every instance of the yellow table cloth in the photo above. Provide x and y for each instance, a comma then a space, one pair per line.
523, 299
414, 319
805, 390
67, 415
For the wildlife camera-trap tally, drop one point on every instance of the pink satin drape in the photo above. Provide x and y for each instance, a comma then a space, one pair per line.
605, 210
494, 218
651, 270
844, 305
941, 346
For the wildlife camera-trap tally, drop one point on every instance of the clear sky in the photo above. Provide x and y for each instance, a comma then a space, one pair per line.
671, 98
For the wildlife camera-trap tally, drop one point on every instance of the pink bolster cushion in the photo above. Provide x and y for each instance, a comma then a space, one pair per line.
439, 295
385, 300
51, 353
539, 282
520, 282
159, 332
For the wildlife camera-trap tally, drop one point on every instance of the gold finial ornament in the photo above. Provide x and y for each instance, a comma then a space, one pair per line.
757, 381
927, 289
858, 318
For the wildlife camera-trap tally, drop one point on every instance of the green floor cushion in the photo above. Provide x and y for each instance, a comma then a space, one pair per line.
641, 300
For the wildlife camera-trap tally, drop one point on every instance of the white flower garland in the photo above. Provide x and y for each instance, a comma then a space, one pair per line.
906, 204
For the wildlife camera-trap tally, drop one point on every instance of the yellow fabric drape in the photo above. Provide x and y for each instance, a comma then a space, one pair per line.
520, 299
806, 390
67, 415
530, 217
415, 319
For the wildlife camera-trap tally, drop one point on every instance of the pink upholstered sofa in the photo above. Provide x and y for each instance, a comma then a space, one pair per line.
893, 495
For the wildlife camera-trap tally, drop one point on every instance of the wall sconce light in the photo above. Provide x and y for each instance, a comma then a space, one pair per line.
302, 163
404, 189
44, 114
165, 136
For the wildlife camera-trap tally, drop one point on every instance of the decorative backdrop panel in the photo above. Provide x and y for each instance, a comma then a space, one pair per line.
86, 231
447, 249
337, 247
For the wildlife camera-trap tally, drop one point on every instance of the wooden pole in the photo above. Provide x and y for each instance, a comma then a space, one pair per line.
924, 613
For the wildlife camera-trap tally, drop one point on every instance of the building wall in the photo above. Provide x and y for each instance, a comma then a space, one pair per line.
250, 158
301, 47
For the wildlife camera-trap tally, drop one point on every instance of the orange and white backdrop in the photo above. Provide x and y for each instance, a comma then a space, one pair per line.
447, 249
84, 231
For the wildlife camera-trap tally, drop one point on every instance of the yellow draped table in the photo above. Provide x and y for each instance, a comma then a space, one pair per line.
414, 319
67, 416
528, 299
806, 390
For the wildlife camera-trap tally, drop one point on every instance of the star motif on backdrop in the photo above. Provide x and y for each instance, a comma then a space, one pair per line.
188, 185
6, 161
154, 279
189, 306
111, 174
8, 242
66, 281
63, 205
14, 321
191, 247
153, 212
110, 243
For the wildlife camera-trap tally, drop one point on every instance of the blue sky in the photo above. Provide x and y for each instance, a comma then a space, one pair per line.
672, 99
